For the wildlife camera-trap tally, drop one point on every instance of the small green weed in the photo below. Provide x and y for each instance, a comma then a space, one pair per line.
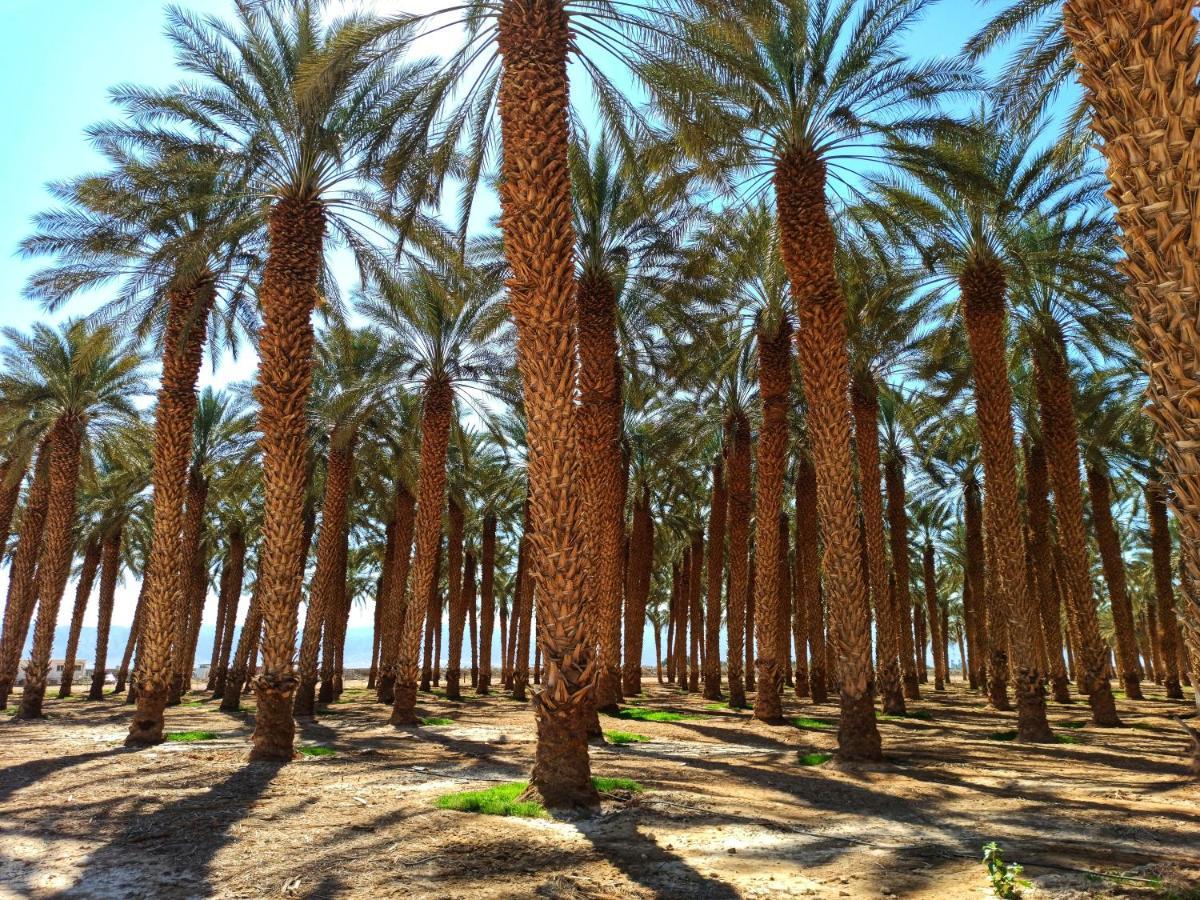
815, 759
1006, 877
190, 737
624, 737
1002, 736
1078, 723
608, 785
316, 751
437, 720
501, 800
639, 714
812, 724
1067, 739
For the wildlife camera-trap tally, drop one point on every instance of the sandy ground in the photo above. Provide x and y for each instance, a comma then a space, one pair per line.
727, 812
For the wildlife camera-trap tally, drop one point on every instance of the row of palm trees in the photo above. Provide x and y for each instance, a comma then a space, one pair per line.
616, 262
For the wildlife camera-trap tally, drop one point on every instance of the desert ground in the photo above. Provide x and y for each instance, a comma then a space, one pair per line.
727, 810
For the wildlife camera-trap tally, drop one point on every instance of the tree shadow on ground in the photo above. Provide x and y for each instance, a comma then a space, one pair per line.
168, 852
14, 778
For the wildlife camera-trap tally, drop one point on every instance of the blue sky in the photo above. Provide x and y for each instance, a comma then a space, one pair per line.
58, 59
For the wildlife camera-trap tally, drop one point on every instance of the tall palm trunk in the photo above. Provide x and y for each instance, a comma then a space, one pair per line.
288, 295
243, 657
1164, 592
436, 417
539, 240
682, 608
174, 421
602, 480
12, 474
808, 243
110, 567
1037, 501
983, 295
1060, 432
897, 508
996, 625
783, 608
193, 580
737, 439
974, 596
339, 475
695, 610
135, 628
1139, 62
487, 603
457, 608
800, 598
933, 606
333, 626
392, 613
525, 592
637, 592
808, 542
865, 404
219, 632
1100, 489
198, 591
235, 566
718, 509
83, 593
54, 565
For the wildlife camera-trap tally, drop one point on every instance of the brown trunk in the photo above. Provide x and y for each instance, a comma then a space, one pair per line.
672, 615
682, 611
1037, 500
637, 593
808, 539
391, 620
525, 590
784, 606
337, 613
658, 666
864, 395
695, 593
83, 593
456, 576
487, 604
737, 440
54, 565
997, 628
808, 244
921, 635
897, 508
243, 657
1164, 592
219, 633
131, 642
800, 600
287, 296
467, 604
167, 567
974, 598
12, 473
235, 565
983, 300
110, 567
933, 606
718, 509
193, 584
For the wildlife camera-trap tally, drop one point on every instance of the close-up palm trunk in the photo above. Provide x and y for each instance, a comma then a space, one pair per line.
12, 473
110, 569
737, 435
83, 594
807, 242
983, 300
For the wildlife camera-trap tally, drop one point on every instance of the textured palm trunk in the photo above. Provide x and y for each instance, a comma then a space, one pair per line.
12, 473
524, 626
433, 618
800, 602
193, 581
54, 565
1109, 542
808, 543
672, 614
235, 566
22, 574
983, 294
436, 418
473, 644
774, 383
175, 414
1164, 592
198, 593
681, 618
1139, 62
247, 646
807, 241
718, 509
487, 604
897, 508
933, 608
288, 295
921, 636
339, 475
737, 439
865, 404
110, 568
456, 576
974, 598
695, 593
750, 656
784, 606
1060, 433
333, 634
996, 625
83, 593
637, 594
1038, 504
219, 633
131, 642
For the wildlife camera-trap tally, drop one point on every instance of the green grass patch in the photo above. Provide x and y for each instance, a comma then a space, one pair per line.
808, 724
1079, 723
1142, 726
1068, 739
1002, 736
192, 703
638, 714
190, 737
608, 785
501, 800
624, 737
436, 720
316, 750
815, 759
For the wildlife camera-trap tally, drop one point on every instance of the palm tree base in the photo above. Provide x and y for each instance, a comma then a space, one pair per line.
31, 702
386, 690
1174, 690
912, 688
858, 736
820, 691
1133, 687
1060, 689
1104, 707
146, 729
274, 727
404, 707
1032, 727
305, 702
561, 779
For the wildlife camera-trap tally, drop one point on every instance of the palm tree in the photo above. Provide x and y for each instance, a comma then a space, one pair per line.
76, 381
796, 88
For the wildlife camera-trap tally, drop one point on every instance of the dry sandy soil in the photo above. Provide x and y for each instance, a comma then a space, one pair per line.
727, 811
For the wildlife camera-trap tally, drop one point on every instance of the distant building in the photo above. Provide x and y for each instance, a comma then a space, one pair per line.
200, 673
57, 666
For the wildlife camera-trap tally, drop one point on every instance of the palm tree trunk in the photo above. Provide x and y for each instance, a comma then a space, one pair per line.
672, 616
457, 609
487, 604
1164, 592
921, 636
392, 617
526, 593
637, 594
468, 601
1139, 63
897, 501
737, 440
235, 565
1060, 433
695, 610
808, 243
219, 632
12, 473
784, 606
974, 596
110, 567
473, 627
996, 626
800, 600
718, 509
333, 626
933, 606
183, 352
983, 293
865, 406
808, 540
131, 642
54, 565
199, 595
1038, 505
658, 665
682, 608
750, 626
247, 647
83, 593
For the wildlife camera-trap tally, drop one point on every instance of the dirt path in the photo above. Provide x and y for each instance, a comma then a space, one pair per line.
728, 810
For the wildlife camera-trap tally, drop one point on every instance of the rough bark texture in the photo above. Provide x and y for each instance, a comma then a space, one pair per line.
933, 607
695, 613
983, 299
175, 413
1139, 61
1164, 592
246, 649
525, 589
457, 625
334, 625
131, 642
682, 610
83, 593
783, 609
808, 542
235, 568
1060, 432
487, 603
12, 473
807, 241
897, 508
737, 440
637, 592
195, 584
800, 590
1038, 504
54, 565
973, 589
887, 626
456, 576
718, 510
110, 568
